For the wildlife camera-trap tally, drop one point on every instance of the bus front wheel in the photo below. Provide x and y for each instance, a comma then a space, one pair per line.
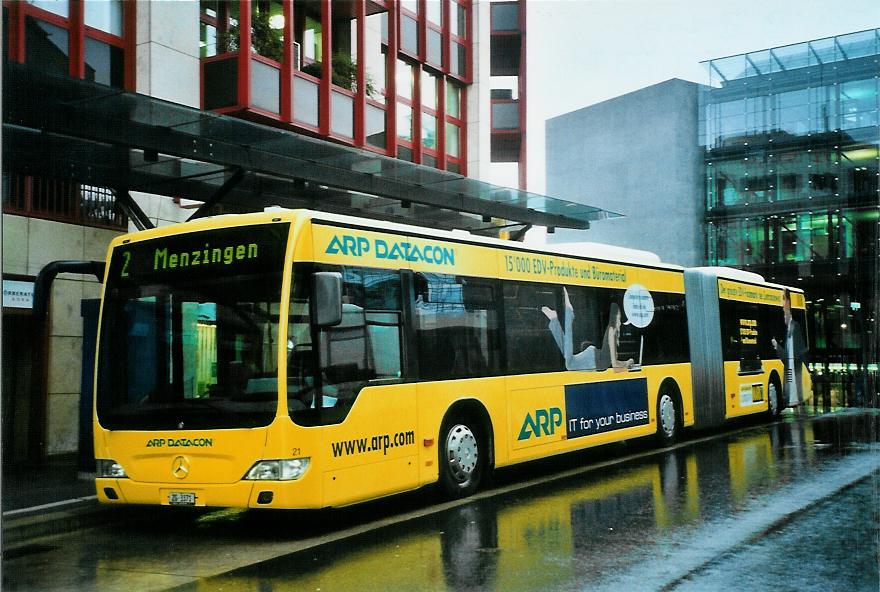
462, 457
774, 405
667, 418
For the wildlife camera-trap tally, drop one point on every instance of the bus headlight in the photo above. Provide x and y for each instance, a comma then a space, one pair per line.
109, 469
288, 469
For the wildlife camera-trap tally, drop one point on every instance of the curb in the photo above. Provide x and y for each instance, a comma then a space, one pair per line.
22, 529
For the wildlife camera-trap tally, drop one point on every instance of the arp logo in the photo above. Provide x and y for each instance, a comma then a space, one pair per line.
544, 423
348, 245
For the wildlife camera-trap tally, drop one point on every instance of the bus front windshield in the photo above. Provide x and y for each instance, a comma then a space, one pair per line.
192, 346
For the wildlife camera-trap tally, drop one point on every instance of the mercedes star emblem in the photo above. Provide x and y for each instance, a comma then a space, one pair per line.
180, 467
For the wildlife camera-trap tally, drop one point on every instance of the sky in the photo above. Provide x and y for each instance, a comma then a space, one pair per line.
582, 52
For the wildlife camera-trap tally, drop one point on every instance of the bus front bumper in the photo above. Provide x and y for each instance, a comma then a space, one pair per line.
243, 494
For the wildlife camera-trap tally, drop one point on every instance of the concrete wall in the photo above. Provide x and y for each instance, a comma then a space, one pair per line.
28, 245
638, 155
167, 51
478, 96
167, 57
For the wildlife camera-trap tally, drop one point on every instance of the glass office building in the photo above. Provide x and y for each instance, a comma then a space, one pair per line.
791, 143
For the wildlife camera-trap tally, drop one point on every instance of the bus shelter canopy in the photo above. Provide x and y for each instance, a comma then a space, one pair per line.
93, 134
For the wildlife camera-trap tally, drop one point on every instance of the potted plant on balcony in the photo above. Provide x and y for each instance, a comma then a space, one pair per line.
344, 73
265, 40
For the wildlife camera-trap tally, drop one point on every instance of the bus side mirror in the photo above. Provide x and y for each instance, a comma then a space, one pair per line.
326, 298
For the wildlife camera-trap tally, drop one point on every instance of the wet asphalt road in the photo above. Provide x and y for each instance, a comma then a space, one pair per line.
789, 506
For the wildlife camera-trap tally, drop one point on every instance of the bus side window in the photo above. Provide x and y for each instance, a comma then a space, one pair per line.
456, 326
366, 345
741, 334
530, 345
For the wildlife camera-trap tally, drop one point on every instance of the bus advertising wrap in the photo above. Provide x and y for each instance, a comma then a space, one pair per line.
597, 407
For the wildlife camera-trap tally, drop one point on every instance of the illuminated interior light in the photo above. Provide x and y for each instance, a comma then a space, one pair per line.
276, 21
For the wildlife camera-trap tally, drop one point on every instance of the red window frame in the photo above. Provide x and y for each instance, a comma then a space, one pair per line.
393, 52
436, 112
77, 32
413, 102
459, 121
419, 18
461, 39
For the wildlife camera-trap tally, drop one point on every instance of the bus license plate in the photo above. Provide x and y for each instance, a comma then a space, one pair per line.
178, 498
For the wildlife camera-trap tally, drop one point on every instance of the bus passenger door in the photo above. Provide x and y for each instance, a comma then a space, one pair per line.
367, 409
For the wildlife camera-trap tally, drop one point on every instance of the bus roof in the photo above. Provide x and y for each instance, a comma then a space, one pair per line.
729, 273
585, 250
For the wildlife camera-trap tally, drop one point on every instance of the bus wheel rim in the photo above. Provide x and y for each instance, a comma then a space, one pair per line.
461, 452
667, 414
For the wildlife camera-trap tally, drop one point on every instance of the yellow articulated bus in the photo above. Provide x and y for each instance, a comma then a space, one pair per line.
298, 359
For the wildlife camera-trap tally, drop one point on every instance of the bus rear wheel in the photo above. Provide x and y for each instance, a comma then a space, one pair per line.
667, 418
462, 456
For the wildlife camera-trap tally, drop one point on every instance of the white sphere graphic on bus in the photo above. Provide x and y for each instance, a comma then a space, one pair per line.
638, 304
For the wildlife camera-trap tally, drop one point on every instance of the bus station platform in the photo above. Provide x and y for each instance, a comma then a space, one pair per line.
49, 499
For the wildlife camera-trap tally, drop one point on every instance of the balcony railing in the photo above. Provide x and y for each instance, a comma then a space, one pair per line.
62, 201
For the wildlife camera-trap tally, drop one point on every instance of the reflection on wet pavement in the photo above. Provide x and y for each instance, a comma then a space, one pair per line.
763, 500
683, 517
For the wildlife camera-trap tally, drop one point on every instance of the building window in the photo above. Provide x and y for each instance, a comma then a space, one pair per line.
409, 27
410, 45
505, 16
51, 29
105, 15
459, 45
429, 112
454, 123
405, 92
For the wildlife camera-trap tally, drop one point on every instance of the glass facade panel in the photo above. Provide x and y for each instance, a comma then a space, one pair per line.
267, 29
858, 45
790, 57
59, 7
105, 15
458, 24
305, 101
405, 80
429, 131
505, 116
341, 115
404, 121
505, 16
429, 90
453, 140
458, 57
310, 42
344, 51
207, 37
435, 47
46, 47
409, 35
453, 100
104, 63
375, 126
791, 172
265, 86
434, 11
375, 57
